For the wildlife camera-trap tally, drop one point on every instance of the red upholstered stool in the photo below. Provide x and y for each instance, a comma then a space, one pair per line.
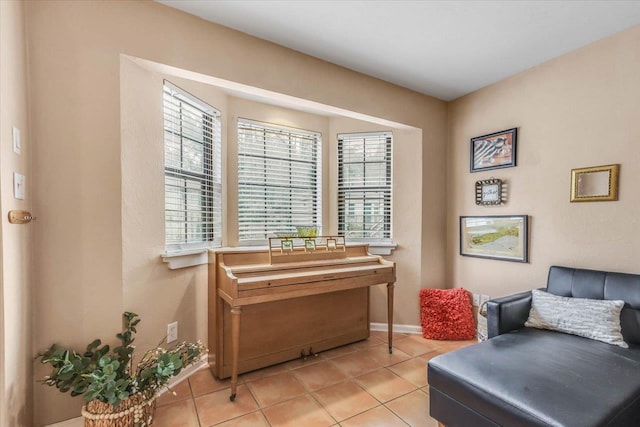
446, 314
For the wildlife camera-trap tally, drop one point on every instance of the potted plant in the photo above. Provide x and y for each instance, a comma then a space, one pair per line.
116, 394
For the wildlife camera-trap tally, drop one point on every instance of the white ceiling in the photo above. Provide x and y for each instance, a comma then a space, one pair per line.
441, 48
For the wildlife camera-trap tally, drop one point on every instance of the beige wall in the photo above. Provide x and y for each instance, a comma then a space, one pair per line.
89, 266
575, 111
15, 313
433, 200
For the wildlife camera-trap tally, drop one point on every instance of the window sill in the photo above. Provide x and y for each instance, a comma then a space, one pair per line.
185, 259
382, 248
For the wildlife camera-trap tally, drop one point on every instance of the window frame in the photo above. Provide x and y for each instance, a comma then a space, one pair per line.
210, 180
316, 152
387, 240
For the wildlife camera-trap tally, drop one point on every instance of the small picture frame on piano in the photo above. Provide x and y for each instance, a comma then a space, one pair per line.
331, 244
310, 245
286, 245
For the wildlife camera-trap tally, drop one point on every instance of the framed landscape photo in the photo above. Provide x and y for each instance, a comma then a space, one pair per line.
494, 151
503, 237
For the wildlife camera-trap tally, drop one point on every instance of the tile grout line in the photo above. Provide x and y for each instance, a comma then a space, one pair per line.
193, 400
306, 393
398, 415
323, 408
242, 415
359, 413
384, 404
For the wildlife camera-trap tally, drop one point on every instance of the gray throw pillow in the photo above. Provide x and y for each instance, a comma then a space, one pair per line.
589, 318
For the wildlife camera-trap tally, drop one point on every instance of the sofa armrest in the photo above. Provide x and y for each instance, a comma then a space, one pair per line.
508, 313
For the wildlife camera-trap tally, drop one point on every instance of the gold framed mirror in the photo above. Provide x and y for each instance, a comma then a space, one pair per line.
595, 184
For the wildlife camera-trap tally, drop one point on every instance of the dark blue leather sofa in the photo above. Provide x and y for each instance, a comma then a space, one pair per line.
531, 377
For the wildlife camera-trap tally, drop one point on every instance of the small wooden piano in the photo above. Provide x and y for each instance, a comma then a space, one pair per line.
299, 297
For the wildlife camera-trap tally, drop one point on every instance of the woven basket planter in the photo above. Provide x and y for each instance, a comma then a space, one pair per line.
135, 411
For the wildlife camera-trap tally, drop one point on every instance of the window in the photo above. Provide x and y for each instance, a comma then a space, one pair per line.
279, 185
364, 186
192, 172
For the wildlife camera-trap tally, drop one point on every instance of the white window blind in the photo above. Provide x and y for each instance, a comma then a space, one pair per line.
364, 186
279, 180
192, 166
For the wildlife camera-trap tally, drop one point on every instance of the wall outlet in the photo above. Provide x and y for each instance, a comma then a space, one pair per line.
476, 300
172, 332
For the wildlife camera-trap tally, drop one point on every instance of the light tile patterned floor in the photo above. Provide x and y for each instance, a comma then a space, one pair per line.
356, 385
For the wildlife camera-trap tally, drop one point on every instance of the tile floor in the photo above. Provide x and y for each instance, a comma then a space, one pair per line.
360, 384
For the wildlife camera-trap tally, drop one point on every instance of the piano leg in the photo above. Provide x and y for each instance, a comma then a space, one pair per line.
235, 347
390, 287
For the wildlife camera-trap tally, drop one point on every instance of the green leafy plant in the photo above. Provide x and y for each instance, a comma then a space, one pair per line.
109, 376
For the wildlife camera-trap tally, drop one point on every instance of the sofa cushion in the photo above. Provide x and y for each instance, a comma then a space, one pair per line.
589, 318
581, 283
535, 377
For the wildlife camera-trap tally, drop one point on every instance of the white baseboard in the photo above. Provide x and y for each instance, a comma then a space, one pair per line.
401, 329
186, 373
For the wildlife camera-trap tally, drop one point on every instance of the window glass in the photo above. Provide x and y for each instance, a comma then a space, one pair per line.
192, 151
364, 186
279, 184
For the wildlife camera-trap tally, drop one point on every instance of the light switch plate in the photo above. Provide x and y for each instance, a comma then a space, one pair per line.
18, 186
17, 147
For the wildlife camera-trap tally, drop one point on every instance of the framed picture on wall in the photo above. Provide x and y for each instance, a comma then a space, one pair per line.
503, 237
494, 151
489, 192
